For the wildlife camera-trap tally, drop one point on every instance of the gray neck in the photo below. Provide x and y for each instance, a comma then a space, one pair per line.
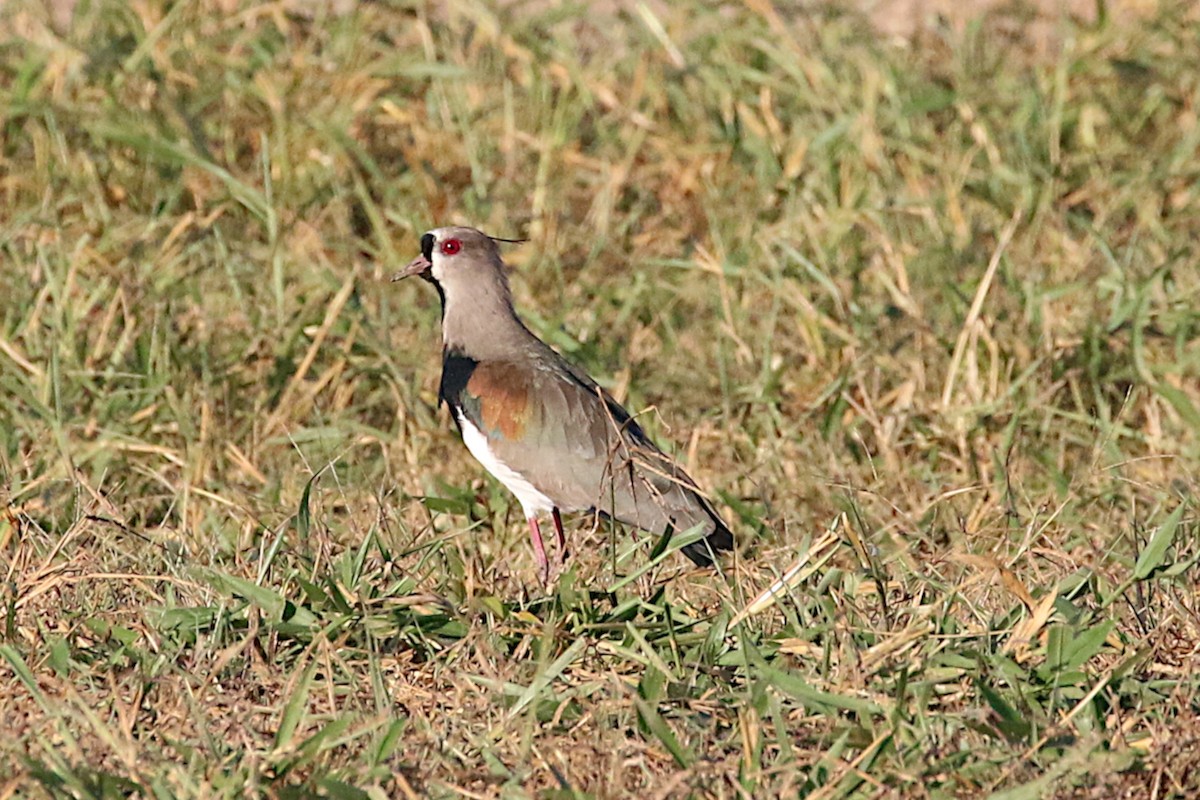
480, 323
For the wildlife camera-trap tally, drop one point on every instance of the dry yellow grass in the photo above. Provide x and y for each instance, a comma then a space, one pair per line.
924, 318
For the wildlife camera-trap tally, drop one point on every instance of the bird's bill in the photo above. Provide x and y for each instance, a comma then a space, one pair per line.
418, 266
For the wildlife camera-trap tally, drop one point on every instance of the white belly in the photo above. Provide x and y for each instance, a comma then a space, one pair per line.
532, 501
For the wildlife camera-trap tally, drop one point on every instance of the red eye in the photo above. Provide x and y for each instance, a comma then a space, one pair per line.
451, 246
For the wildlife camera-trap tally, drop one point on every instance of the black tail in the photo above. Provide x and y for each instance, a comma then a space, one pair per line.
704, 552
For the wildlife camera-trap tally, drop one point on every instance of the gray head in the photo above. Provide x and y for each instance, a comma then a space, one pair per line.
477, 312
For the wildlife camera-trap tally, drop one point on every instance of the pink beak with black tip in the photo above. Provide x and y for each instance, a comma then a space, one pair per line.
418, 266
421, 264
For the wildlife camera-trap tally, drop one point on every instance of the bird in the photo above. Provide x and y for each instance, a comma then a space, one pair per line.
538, 423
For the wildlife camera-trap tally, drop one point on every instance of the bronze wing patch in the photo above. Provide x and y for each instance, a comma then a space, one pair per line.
503, 392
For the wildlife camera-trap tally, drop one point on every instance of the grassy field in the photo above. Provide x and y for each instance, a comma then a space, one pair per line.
925, 319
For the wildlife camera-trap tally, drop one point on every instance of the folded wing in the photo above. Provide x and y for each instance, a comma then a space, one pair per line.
569, 438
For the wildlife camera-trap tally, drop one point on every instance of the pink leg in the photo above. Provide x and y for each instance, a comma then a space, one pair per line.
562, 540
539, 549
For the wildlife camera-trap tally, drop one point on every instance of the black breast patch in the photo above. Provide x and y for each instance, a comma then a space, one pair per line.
456, 372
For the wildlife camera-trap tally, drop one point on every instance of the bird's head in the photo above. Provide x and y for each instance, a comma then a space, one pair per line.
464, 265
462, 256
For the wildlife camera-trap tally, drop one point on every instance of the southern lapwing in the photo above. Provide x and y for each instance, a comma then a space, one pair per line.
539, 424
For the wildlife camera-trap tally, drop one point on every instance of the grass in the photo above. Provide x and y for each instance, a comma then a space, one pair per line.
923, 317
